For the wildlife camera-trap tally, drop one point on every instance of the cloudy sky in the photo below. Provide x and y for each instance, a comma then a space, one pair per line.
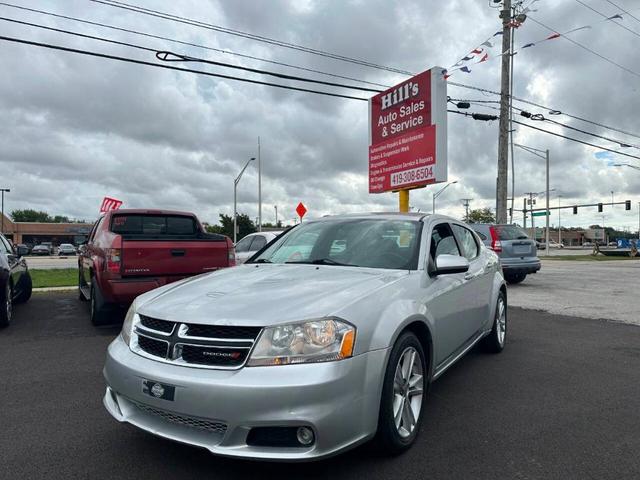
77, 128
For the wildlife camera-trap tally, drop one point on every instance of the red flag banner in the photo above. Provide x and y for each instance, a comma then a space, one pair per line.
109, 203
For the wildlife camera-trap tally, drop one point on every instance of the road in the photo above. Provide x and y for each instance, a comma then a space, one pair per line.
561, 402
583, 289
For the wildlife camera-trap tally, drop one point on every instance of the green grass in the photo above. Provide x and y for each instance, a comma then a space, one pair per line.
55, 277
589, 258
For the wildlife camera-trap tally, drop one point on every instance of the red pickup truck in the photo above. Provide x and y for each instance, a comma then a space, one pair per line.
130, 252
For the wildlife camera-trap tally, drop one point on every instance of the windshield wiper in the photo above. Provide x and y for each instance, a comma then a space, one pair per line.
262, 260
326, 261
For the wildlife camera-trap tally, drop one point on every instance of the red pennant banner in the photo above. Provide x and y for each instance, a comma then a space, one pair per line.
109, 203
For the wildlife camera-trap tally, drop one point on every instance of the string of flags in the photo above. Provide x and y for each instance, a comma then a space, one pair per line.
482, 53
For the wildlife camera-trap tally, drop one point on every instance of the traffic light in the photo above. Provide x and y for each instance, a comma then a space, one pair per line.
575, 210
599, 207
627, 204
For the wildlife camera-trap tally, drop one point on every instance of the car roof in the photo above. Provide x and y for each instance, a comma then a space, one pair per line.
378, 215
150, 212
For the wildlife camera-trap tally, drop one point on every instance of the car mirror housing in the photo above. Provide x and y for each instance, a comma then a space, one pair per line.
447, 264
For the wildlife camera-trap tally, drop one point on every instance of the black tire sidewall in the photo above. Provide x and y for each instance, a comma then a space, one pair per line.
491, 342
5, 320
388, 437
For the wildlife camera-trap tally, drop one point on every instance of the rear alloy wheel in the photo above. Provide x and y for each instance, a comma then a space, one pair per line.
6, 307
403, 395
495, 341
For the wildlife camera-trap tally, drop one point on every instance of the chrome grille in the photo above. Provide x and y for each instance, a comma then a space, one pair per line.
195, 345
193, 422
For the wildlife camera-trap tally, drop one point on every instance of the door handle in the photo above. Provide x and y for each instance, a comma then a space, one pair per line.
177, 253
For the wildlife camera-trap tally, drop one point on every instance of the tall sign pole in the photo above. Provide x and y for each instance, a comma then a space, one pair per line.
503, 138
547, 206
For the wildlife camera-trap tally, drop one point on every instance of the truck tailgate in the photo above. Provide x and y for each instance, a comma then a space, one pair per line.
185, 257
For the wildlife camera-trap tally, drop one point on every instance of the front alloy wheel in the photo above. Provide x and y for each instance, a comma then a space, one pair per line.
408, 387
494, 342
403, 394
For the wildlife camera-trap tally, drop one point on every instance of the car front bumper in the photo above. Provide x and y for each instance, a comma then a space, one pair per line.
216, 409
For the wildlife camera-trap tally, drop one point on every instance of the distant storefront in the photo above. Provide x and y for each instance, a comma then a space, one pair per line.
34, 233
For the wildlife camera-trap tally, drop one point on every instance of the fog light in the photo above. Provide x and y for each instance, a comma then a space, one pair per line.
305, 435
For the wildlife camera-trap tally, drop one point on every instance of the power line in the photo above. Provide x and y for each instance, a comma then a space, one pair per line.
239, 33
170, 67
549, 109
180, 42
575, 140
163, 55
607, 17
624, 11
606, 59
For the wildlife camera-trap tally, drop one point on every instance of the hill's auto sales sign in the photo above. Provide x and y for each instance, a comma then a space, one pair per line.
408, 134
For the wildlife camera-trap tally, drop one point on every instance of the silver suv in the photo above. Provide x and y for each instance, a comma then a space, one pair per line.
517, 252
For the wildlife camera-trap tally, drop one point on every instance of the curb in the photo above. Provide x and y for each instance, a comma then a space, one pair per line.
55, 289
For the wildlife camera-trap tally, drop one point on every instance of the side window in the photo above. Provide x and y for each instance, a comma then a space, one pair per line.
443, 241
95, 228
467, 242
243, 245
258, 242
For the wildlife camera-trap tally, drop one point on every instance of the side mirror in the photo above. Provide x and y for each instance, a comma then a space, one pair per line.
22, 250
447, 264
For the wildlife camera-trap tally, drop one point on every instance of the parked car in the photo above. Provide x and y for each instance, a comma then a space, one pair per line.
66, 249
307, 349
24, 248
252, 243
552, 244
517, 252
587, 244
41, 249
130, 252
15, 280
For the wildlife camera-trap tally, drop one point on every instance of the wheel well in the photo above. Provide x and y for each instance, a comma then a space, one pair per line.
503, 289
424, 335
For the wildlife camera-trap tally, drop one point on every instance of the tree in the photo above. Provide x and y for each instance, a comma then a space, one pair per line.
29, 215
245, 226
481, 215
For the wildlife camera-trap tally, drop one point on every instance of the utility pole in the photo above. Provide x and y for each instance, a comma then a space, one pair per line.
524, 214
259, 189
532, 195
276, 207
503, 137
466, 202
559, 227
547, 205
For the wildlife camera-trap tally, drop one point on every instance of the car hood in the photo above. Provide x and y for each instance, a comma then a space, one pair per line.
260, 295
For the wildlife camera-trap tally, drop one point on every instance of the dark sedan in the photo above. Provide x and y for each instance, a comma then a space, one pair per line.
15, 280
41, 250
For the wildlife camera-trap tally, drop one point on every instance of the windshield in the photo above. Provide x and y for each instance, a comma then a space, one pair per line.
374, 243
510, 232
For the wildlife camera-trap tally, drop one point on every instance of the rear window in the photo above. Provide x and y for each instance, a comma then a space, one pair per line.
510, 232
153, 225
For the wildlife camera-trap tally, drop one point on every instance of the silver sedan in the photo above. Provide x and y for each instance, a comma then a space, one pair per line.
329, 338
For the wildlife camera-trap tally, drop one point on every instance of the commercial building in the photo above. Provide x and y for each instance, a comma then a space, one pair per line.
33, 233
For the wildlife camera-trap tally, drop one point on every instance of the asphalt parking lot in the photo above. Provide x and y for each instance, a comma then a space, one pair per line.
560, 402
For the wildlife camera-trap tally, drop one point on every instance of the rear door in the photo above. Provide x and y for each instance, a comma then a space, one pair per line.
167, 244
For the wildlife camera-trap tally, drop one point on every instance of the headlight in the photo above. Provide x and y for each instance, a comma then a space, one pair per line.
127, 326
307, 342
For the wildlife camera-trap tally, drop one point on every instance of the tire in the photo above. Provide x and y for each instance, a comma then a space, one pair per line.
26, 288
98, 308
395, 435
6, 306
495, 341
515, 278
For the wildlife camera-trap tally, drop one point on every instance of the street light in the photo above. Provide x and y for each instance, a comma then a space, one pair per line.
3, 190
235, 208
439, 192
